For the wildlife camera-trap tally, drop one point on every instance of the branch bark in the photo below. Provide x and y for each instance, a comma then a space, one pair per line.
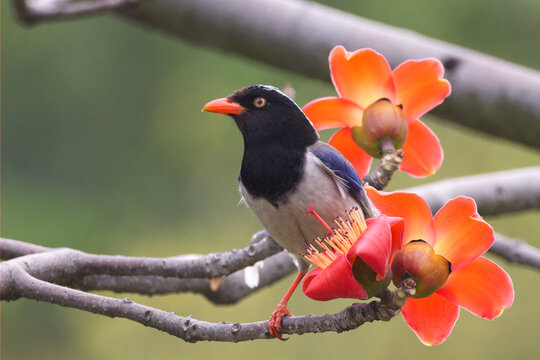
495, 193
381, 175
232, 288
67, 265
193, 330
486, 91
515, 251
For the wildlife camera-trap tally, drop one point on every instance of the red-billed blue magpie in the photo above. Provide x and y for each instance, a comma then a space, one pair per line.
285, 171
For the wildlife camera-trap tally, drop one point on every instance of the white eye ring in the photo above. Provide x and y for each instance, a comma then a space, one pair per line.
259, 102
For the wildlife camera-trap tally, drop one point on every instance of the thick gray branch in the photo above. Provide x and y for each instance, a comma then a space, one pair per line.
515, 251
67, 265
232, 288
193, 330
11, 249
495, 193
487, 91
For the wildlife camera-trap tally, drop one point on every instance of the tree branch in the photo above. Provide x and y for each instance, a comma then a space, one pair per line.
486, 91
11, 249
67, 265
495, 193
515, 251
33, 11
193, 330
36, 272
232, 288
380, 176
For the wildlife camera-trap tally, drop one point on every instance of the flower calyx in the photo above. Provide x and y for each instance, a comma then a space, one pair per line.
384, 128
417, 260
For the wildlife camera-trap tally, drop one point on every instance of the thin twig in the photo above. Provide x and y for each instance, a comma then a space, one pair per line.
380, 176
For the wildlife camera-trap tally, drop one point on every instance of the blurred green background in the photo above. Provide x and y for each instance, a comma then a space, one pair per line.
104, 149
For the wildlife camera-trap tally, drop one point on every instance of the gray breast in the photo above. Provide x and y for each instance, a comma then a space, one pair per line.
288, 223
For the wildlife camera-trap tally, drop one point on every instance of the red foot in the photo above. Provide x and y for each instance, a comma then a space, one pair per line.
274, 324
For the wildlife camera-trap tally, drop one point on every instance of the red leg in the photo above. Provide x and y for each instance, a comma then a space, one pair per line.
274, 324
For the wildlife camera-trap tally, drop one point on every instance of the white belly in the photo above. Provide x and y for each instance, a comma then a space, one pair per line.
288, 223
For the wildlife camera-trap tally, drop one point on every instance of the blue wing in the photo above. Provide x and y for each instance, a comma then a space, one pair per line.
338, 164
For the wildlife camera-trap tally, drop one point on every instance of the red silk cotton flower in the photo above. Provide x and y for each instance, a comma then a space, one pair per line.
363, 78
458, 234
352, 260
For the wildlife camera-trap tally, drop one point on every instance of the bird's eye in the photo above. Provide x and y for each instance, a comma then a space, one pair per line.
259, 102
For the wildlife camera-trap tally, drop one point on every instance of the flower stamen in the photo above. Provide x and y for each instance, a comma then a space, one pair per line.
317, 216
338, 240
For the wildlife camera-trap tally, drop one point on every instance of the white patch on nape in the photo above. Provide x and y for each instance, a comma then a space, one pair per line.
251, 274
273, 88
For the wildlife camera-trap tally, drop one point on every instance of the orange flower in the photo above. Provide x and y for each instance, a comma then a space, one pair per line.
364, 77
458, 234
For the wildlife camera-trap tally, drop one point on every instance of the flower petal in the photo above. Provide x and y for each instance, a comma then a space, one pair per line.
419, 86
462, 235
343, 141
482, 287
333, 112
363, 76
431, 318
374, 245
409, 206
334, 282
422, 151
397, 225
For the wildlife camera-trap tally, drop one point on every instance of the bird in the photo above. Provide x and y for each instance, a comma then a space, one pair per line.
286, 171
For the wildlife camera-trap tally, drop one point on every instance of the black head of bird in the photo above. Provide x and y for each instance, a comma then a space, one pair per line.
276, 134
265, 115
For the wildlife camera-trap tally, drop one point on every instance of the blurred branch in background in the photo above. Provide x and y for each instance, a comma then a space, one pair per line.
33, 11
495, 193
515, 251
486, 92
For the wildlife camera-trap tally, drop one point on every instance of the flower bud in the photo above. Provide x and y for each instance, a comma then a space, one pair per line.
382, 121
418, 261
367, 277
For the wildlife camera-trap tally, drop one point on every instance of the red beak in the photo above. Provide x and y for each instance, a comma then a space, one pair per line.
224, 106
